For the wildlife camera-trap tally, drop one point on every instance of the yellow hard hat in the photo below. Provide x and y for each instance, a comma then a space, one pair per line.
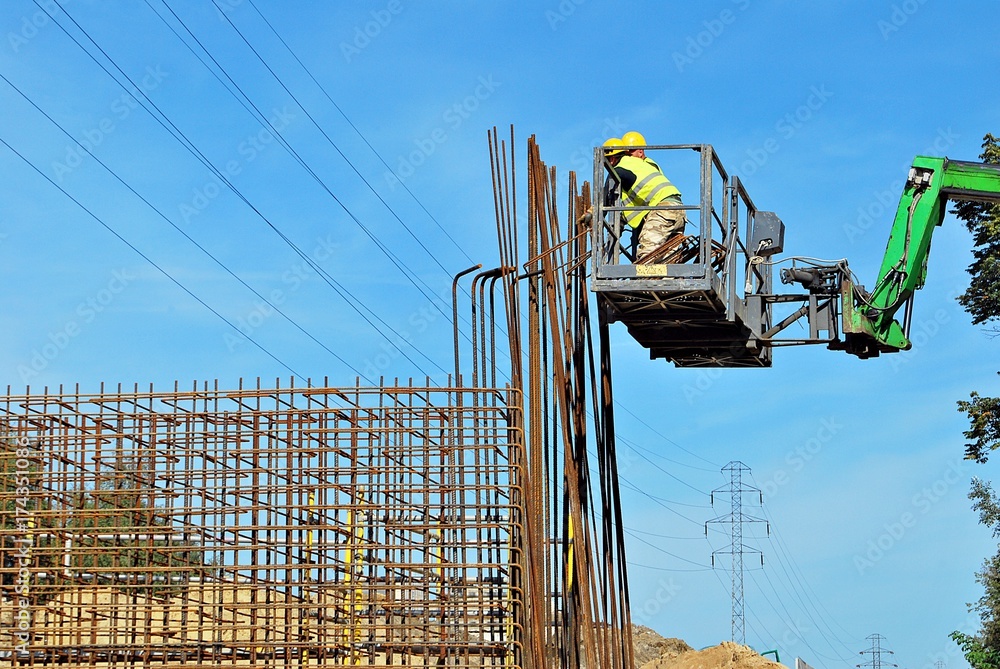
632, 138
613, 146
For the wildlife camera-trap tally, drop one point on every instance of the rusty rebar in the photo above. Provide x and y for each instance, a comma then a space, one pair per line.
454, 312
263, 525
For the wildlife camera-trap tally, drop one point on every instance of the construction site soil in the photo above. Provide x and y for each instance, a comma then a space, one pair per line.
653, 651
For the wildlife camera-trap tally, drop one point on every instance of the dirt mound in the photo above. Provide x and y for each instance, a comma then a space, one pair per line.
648, 646
727, 655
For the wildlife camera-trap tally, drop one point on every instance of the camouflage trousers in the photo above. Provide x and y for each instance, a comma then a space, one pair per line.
658, 227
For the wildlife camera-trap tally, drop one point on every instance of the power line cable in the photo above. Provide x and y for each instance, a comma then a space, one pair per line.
359, 133
329, 140
631, 486
790, 622
256, 113
244, 100
659, 500
663, 536
670, 501
799, 578
163, 120
787, 565
276, 308
650, 495
648, 566
666, 552
148, 259
403, 268
751, 615
633, 445
671, 475
661, 435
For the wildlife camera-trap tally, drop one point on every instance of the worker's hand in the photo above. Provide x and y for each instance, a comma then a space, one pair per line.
586, 217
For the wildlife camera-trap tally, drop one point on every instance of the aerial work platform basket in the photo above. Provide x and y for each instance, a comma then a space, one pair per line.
692, 301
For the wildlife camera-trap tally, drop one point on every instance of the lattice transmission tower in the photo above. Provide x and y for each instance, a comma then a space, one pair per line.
736, 549
876, 650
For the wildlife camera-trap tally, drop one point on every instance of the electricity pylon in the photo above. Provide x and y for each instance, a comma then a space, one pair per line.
736, 548
876, 651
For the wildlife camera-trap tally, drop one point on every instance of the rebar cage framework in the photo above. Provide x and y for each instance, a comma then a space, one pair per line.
277, 527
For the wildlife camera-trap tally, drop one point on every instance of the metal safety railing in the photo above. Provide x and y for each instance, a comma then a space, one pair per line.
714, 253
710, 208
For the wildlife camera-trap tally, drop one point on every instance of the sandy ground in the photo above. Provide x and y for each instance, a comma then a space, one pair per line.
678, 655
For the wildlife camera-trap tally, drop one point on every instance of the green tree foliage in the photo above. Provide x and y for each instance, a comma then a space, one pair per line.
115, 532
982, 298
19, 469
984, 426
985, 501
976, 654
982, 301
118, 531
22, 512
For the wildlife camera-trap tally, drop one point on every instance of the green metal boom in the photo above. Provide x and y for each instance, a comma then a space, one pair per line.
869, 318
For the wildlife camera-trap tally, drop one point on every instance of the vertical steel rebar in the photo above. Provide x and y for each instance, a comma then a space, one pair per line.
282, 525
399, 524
455, 321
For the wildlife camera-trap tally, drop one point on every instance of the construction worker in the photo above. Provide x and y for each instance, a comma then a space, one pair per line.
614, 148
631, 139
644, 185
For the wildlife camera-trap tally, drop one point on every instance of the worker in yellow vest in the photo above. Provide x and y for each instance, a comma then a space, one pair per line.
614, 148
644, 185
632, 139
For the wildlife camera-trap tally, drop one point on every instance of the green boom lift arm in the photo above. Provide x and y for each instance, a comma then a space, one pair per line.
869, 318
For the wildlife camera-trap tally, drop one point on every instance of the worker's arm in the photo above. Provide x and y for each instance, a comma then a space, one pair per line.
627, 177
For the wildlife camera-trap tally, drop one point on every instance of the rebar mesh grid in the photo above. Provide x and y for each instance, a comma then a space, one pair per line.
276, 527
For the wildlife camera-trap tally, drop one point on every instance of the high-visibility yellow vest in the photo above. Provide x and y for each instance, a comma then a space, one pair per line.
650, 189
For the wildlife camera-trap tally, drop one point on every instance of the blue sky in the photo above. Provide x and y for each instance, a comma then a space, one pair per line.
820, 108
